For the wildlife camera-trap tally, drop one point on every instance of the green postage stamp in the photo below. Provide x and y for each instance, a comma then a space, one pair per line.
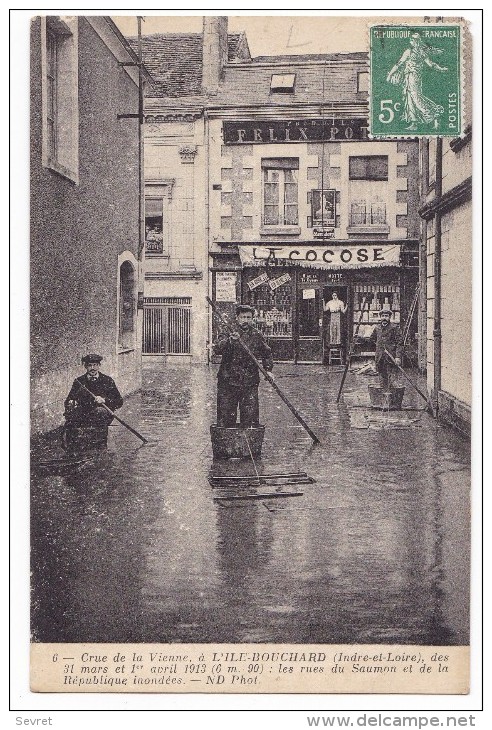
415, 87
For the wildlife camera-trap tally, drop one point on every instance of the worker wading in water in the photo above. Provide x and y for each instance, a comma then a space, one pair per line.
238, 377
387, 337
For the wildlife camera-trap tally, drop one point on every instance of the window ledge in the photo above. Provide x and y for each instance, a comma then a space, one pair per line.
55, 166
156, 255
368, 229
280, 231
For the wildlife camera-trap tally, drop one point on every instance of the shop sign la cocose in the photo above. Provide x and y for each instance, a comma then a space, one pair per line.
322, 257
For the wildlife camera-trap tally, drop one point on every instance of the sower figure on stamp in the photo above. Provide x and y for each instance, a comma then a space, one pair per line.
386, 336
238, 377
87, 418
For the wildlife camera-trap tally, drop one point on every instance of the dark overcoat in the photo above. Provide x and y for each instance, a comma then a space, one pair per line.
80, 406
237, 368
386, 338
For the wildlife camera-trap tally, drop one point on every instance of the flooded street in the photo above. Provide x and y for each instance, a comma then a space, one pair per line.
133, 547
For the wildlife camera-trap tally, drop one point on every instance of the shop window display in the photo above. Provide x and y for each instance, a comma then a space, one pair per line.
387, 295
273, 310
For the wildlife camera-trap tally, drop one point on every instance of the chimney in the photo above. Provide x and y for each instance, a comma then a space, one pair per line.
215, 52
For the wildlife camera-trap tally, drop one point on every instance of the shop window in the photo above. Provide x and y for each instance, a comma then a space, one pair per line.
127, 306
280, 192
282, 83
273, 306
60, 95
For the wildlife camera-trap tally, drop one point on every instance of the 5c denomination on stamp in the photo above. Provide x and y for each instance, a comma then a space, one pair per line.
415, 87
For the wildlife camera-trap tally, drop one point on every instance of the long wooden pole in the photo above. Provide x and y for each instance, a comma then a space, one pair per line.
266, 375
136, 433
349, 356
424, 396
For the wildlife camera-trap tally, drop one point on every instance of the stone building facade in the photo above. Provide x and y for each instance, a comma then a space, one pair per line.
265, 171
447, 266
85, 267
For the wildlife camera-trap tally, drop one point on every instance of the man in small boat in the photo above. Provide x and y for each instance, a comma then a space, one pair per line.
86, 406
386, 336
238, 377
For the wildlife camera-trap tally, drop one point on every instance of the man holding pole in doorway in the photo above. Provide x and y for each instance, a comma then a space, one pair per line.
387, 338
238, 377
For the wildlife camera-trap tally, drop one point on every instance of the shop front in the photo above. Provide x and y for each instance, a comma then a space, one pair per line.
309, 299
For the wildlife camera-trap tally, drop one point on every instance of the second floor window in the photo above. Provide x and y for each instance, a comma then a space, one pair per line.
280, 192
367, 213
154, 225
368, 181
369, 167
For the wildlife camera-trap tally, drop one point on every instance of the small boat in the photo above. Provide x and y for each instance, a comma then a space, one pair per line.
61, 466
78, 439
236, 443
386, 400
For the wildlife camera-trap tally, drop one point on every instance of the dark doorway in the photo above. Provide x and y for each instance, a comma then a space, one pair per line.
310, 312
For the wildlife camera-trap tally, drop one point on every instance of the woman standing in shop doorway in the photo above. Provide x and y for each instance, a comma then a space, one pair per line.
336, 308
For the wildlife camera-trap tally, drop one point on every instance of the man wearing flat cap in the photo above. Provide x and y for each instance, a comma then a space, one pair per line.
84, 405
238, 377
387, 337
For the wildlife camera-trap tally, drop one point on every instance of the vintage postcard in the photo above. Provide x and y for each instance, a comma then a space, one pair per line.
251, 285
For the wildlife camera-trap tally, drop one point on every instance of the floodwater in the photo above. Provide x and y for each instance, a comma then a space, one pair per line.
134, 546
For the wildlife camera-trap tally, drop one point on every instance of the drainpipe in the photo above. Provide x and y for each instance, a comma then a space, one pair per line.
207, 230
140, 144
437, 278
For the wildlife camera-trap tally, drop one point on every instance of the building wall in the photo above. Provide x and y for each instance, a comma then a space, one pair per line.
456, 167
456, 310
431, 295
236, 218
79, 230
175, 156
449, 208
456, 281
236, 211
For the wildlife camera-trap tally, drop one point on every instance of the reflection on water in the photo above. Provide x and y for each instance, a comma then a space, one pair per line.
133, 547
